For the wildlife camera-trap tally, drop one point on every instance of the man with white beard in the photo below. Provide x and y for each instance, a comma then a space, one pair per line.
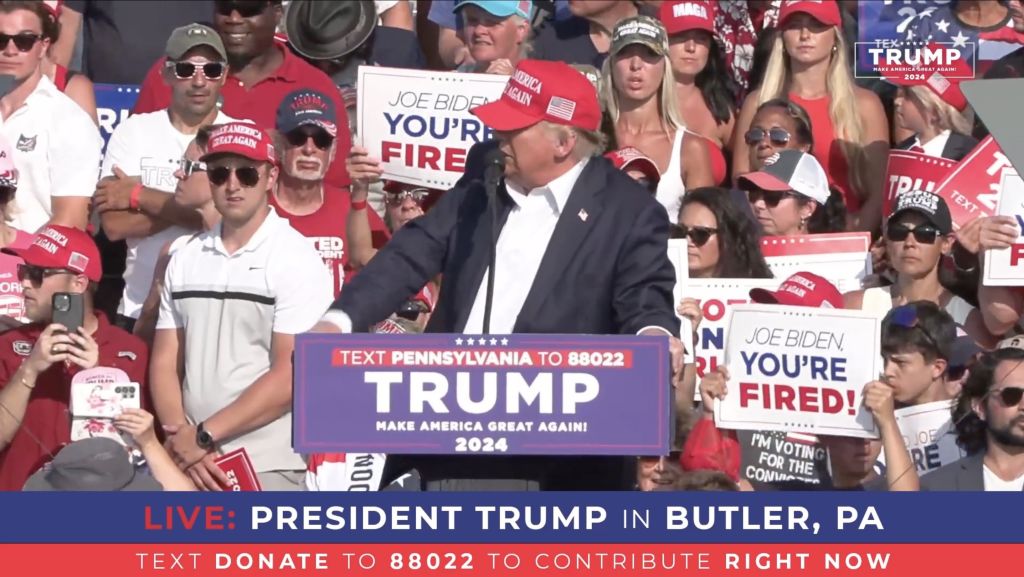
307, 130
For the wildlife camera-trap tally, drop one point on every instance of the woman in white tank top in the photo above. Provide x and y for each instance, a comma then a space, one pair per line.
641, 102
918, 234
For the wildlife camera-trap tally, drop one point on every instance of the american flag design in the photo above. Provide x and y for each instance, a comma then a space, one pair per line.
78, 261
561, 108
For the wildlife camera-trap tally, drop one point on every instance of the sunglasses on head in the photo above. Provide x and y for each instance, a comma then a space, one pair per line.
771, 198
185, 70
924, 234
247, 176
697, 235
418, 195
321, 138
23, 42
245, 9
1008, 396
36, 274
906, 316
777, 136
189, 167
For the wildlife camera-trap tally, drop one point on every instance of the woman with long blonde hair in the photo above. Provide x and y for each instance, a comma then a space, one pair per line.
809, 66
641, 100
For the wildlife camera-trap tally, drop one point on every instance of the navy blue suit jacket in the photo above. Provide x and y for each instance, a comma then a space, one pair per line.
606, 269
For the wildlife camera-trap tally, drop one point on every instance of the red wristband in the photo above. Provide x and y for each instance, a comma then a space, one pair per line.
358, 205
133, 197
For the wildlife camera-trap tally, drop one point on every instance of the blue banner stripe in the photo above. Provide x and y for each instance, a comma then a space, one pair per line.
904, 517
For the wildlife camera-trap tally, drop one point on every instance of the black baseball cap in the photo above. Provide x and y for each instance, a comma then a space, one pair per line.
929, 205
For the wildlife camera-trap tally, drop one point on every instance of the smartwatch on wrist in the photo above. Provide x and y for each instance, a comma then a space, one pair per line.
203, 438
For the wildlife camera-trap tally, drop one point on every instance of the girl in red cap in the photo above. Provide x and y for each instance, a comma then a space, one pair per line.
705, 92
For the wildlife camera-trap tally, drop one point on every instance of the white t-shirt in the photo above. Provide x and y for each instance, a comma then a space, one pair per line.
57, 151
148, 146
994, 483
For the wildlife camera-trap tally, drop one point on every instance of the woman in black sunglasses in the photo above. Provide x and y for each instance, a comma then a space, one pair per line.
917, 236
722, 241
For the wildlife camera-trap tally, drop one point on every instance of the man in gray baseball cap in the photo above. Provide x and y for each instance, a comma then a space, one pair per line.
185, 38
95, 464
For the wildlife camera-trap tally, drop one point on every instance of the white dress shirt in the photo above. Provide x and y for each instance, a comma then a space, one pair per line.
521, 247
936, 145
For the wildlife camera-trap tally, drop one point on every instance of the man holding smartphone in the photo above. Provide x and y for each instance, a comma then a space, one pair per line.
38, 360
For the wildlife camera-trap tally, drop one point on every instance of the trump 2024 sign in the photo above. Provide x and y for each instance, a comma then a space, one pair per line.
482, 394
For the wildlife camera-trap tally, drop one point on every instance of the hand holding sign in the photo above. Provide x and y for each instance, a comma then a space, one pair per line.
713, 387
997, 232
364, 170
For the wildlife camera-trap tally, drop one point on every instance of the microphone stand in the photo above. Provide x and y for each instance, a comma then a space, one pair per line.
492, 178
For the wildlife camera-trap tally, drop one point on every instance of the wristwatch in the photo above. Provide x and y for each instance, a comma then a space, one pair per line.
203, 438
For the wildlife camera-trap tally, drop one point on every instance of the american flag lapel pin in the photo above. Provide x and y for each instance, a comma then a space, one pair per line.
583, 215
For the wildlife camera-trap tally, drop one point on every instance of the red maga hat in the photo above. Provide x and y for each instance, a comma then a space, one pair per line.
542, 90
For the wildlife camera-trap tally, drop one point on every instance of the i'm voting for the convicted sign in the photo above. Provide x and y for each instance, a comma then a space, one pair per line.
482, 394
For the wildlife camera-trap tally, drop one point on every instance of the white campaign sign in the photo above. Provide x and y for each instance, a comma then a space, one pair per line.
1005, 267
929, 435
418, 124
799, 369
716, 298
681, 262
839, 257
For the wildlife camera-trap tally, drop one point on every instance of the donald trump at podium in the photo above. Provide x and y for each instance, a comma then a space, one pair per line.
581, 249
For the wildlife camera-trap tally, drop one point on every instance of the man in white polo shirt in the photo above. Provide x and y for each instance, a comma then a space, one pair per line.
135, 198
56, 145
233, 300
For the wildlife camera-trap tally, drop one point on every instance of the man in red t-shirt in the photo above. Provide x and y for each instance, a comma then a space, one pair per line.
39, 360
307, 126
262, 72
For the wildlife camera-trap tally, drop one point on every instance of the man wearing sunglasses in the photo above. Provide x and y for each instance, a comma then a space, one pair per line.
307, 129
135, 198
39, 360
56, 144
233, 300
262, 71
989, 421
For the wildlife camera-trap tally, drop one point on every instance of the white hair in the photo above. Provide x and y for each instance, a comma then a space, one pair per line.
588, 143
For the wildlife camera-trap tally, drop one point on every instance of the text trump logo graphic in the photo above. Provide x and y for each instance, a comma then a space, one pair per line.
901, 61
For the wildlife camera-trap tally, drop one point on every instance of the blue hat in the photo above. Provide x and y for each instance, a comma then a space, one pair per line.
307, 107
500, 8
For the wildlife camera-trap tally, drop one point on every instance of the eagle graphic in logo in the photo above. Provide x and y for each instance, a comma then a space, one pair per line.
26, 143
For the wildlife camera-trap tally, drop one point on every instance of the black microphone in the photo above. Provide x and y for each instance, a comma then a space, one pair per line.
493, 175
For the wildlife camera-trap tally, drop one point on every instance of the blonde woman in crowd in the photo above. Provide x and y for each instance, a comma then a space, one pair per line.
641, 100
809, 65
